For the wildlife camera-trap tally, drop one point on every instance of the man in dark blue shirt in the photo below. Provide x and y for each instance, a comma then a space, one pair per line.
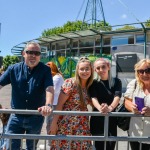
32, 89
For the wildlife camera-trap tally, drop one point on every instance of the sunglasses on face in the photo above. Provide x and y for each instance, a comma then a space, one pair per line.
141, 71
36, 53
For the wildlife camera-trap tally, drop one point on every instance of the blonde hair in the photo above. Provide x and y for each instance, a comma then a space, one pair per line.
108, 63
136, 67
78, 79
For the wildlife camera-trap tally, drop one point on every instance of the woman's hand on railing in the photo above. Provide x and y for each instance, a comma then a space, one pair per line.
146, 111
53, 129
104, 108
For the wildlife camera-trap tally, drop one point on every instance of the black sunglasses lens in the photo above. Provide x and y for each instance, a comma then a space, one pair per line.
36, 53
147, 71
140, 71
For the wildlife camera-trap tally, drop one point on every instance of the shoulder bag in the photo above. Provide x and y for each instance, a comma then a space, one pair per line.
123, 122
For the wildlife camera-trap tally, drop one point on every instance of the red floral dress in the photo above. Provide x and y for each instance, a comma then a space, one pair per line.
73, 125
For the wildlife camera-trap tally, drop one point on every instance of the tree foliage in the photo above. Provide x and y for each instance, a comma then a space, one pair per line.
75, 26
147, 24
126, 27
9, 60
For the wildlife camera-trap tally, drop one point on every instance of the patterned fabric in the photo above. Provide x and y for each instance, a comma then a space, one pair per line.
73, 125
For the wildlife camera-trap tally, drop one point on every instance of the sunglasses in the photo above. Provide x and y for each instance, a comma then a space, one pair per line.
83, 58
147, 71
36, 53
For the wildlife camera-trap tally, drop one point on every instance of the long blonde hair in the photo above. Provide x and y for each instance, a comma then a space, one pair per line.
136, 67
78, 79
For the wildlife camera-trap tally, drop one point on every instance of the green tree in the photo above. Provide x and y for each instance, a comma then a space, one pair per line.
126, 27
75, 26
9, 60
147, 24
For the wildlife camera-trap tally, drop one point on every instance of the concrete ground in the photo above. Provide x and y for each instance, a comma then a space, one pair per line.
5, 94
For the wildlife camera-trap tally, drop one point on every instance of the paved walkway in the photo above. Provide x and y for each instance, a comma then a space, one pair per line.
5, 94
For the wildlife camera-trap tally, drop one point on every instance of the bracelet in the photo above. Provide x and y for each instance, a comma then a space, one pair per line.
50, 105
111, 107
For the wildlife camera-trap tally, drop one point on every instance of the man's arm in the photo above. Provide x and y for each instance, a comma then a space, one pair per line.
47, 109
49, 95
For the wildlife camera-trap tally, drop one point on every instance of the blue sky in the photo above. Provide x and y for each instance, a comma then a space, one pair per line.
23, 20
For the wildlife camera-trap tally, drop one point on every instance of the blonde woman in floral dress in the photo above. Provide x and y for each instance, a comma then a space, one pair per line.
74, 97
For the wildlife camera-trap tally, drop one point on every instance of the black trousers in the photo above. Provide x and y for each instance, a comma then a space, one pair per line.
136, 146
99, 145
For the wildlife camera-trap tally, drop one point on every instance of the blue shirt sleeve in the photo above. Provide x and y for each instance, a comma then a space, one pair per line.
48, 78
5, 77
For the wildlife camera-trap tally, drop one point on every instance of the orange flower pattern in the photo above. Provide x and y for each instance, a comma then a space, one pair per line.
73, 125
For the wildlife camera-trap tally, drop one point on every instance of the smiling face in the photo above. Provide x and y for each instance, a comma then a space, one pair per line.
143, 73
84, 70
102, 68
31, 55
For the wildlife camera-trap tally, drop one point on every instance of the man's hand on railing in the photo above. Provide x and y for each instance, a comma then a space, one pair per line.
45, 110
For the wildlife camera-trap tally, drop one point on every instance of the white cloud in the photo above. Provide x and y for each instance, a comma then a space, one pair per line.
124, 16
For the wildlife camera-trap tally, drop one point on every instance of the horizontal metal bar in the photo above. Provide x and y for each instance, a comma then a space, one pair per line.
73, 137
74, 113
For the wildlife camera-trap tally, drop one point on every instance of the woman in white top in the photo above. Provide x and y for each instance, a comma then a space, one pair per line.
139, 87
58, 80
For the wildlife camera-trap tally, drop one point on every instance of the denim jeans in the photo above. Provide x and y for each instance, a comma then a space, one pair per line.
1, 139
49, 120
20, 124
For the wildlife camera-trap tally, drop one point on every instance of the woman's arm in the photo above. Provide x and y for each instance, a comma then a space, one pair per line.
61, 101
114, 104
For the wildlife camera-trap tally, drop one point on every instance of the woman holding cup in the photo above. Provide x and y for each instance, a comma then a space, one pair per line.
137, 100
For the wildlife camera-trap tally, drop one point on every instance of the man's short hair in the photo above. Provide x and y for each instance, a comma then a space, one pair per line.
32, 43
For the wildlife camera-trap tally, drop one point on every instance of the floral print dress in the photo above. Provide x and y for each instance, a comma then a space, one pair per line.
73, 125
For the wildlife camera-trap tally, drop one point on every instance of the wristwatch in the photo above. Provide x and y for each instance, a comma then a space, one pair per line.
50, 105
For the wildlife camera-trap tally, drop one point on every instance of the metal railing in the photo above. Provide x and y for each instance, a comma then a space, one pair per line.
69, 138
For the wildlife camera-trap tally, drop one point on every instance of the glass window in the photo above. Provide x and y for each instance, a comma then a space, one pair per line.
97, 42
74, 52
60, 53
75, 44
60, 46
122, 40
97, 50
105, 50
85, 43
53, 47
139, 38
106, 41
86, 51
148, 37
